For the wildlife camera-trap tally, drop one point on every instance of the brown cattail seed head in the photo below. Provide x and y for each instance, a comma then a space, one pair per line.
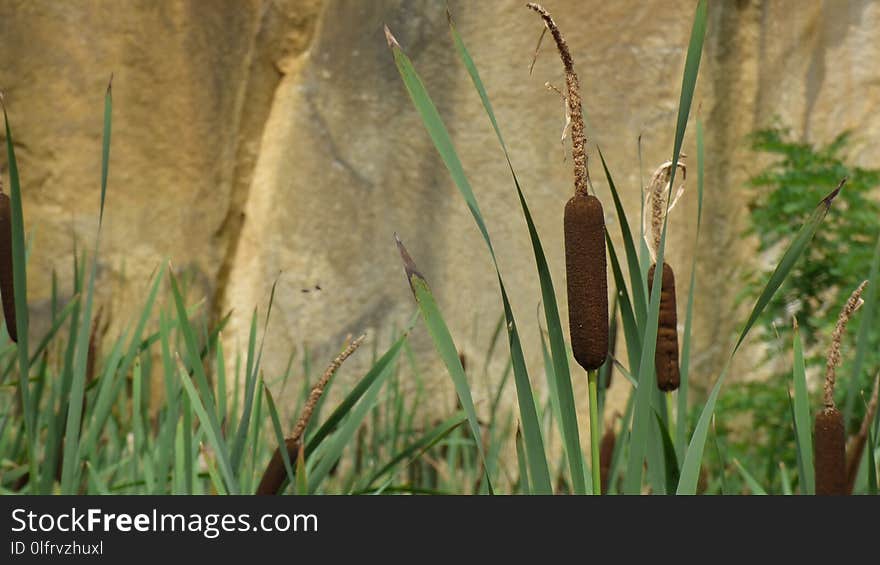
6, 284
830, 452
666, 353
586, 278
275, 473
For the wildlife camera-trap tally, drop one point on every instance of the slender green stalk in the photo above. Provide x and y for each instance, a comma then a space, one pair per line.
595, 432
670, 404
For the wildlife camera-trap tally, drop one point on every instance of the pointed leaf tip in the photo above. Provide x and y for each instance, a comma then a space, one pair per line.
408, 264
110, 84
392, 42
830, 198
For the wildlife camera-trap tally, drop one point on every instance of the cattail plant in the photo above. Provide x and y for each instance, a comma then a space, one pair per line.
275, 473
6, 286
666, 350
585, 266
829, 434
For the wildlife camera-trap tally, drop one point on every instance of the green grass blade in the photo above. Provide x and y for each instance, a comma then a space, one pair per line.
792, 254
344, 408
637, 278
279, 434
694, 455
211, 429
335, 444
444, 344
419, 446
193, 353
684, 365
105, 145
521, 462
785, 479
302, 479
250, 386
645, 395
688, 83
750, 480
627, 316
671, 475
802, 419
19, 284
866, 322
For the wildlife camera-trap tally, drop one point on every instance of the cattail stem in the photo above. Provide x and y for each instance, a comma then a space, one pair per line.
595, 432
670, 404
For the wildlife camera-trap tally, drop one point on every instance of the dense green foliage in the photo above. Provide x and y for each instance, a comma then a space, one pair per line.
838, 259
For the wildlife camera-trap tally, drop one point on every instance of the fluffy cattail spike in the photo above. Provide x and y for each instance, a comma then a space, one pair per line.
853, 304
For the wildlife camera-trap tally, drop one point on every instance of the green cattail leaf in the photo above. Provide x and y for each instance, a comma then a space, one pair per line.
336, 444
561, 390
241, 431
345, 407
195, 364
57, 322
19, 282
750, 480
109, 384
797, 443
803, 421
866, 322
105, 145
627, 316
445, 346
637, 280
443, 143
671, 468
640, 444
521, 462
211, 429
792, 254
681, 422
302, 479
419, 446
688, 83
279, 434
694, 455
785, 479
135, 346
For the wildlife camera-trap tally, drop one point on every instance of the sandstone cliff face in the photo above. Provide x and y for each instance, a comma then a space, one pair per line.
252, 138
